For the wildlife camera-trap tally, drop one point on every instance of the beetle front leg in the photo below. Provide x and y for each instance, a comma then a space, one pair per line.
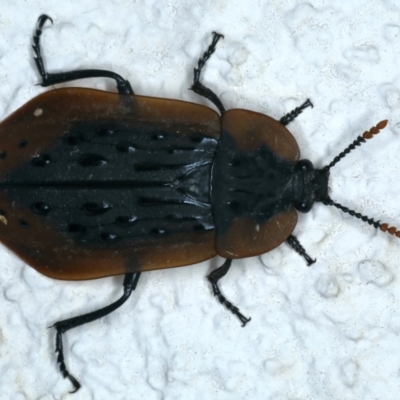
197, 86
296, 246
289, 117
214, 277
130, 283
123, 86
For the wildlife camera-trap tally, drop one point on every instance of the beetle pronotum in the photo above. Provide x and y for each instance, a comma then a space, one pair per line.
115, 183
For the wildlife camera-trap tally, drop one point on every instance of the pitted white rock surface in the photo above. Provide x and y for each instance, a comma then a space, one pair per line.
331, 331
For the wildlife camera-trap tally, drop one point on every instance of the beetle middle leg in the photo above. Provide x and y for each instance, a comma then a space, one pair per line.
289, 117
296, 246
130, 283
197, 86
123, 86
214, 277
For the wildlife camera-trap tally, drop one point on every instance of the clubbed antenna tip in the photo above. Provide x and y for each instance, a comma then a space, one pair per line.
361, 139
375, 130
392, 230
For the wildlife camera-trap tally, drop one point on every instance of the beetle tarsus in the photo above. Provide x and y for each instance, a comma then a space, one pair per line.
36, 44
197, 86
214, 277
48, 79
60, 360
296, 246
130, 283
289, 117
206, 55
232, 308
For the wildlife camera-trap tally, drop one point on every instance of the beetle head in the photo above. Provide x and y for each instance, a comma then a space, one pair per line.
309, 185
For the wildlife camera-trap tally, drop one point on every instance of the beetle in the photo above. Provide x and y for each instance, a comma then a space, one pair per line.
96, 184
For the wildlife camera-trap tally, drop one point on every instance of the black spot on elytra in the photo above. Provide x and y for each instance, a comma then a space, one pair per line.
76, 228
157, 231
92, 160
108, 236
125, 221
40, 208
106, 132
41, 160
3, 154
158, 136
196, 139
125, 147
23, 143
92, 209
23, 223
73, 139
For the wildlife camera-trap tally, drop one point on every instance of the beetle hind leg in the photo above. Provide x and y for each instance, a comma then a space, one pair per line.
48, 79
214, 277
61, 327
289, 117
197, 86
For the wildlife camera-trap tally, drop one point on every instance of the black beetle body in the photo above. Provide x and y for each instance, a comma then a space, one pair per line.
162, 193
107, 184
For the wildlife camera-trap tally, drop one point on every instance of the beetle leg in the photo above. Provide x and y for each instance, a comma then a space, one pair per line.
214, 277
296, 246
123, 86
129, 284
289, 117
197, 86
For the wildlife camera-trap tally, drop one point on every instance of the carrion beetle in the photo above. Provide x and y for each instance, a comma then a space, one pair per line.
107, 183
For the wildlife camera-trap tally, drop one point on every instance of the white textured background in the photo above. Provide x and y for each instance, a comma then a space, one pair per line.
331, 331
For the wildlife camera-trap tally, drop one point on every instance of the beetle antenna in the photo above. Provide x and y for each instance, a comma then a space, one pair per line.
361, 139
383, 227
329, 202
